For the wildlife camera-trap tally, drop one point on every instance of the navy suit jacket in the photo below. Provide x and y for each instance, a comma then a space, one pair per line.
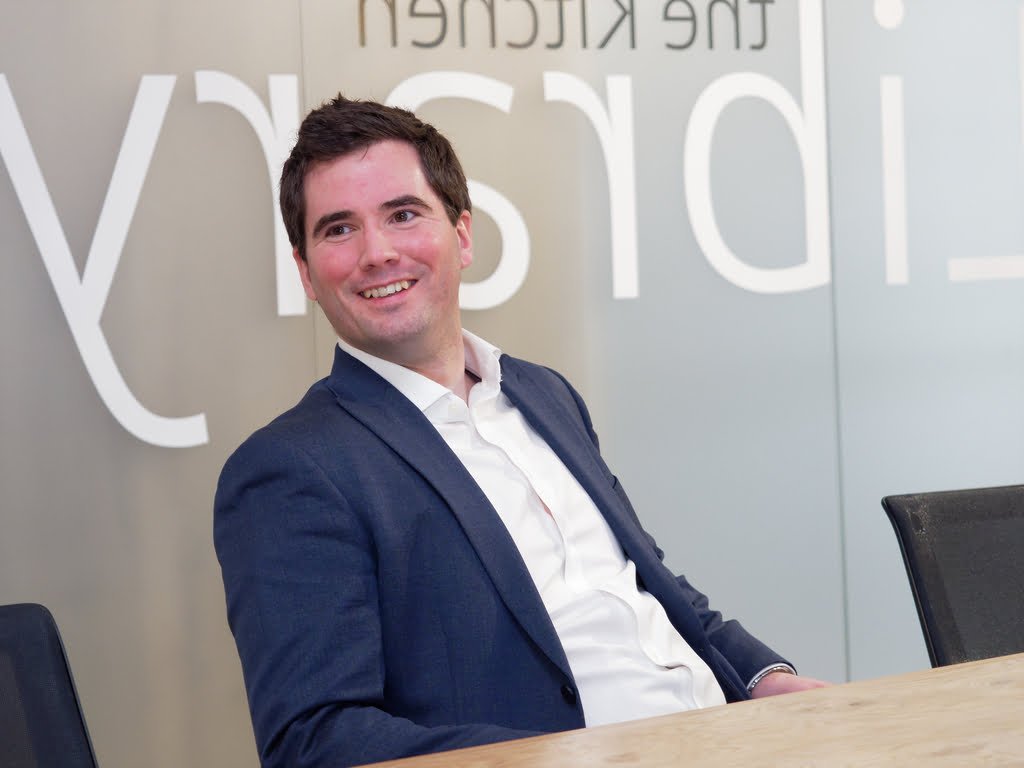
379, 605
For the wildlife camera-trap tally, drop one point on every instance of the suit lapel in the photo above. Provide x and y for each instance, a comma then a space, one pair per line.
556, 421
386, 412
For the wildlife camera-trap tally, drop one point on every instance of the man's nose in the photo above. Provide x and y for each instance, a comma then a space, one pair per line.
377, 248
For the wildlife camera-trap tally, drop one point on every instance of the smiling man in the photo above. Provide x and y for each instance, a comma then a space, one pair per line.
428, 551
382, 257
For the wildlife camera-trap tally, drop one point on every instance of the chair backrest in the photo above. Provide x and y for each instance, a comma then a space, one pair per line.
964, 553
41, 722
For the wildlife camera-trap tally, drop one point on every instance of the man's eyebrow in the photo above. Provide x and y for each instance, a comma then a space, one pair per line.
404, 201
329, 218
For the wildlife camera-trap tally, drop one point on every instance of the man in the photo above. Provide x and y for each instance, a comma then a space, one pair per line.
428, 552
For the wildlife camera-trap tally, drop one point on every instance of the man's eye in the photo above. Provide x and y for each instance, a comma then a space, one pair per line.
338, 230
403, 217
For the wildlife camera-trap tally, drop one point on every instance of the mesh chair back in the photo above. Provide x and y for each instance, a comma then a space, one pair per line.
964, 553
41, 722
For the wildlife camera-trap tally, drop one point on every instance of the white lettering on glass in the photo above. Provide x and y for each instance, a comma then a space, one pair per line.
808, 128
614, 128
82, 299
276, 131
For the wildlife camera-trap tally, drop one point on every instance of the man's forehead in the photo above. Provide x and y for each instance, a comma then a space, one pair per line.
375, 171
371, 177
396, 151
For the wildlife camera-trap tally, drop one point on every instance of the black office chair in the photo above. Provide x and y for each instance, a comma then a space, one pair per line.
964, 553
41, 722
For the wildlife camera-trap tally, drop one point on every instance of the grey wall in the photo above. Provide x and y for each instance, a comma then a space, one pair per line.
817, 243
930, 370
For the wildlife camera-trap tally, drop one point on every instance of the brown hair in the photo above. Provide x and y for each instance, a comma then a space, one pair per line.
341, 126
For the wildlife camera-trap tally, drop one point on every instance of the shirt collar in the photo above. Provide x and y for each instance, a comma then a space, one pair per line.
481, 361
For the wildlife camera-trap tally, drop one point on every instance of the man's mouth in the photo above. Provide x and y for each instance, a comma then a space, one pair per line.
387, 290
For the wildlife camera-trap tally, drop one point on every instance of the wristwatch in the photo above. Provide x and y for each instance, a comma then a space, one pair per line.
767, 671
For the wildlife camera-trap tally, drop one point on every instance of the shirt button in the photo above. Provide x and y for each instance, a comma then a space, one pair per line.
569, 695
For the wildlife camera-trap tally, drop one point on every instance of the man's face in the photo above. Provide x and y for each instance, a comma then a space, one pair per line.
382, 258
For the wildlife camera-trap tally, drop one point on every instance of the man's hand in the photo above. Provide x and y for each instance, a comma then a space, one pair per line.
775, 683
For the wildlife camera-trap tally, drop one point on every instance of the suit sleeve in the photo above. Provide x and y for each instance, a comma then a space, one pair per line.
745, 653
299, 571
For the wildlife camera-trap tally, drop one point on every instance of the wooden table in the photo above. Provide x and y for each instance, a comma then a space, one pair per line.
965, 715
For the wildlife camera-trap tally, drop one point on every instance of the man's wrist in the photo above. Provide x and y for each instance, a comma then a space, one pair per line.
767, 671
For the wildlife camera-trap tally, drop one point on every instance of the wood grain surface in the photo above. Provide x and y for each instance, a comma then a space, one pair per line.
964, 715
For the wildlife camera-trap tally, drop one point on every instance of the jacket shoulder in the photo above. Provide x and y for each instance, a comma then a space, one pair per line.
299, 429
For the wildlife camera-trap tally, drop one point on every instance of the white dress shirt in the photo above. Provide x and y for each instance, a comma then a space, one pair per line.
627, 659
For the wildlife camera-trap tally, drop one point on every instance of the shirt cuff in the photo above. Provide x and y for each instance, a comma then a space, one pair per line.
767, 671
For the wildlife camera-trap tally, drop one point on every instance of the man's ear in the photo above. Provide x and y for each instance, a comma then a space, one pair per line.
464, 231
303, 267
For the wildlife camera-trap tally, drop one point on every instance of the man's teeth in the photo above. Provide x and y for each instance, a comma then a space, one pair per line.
386, 290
